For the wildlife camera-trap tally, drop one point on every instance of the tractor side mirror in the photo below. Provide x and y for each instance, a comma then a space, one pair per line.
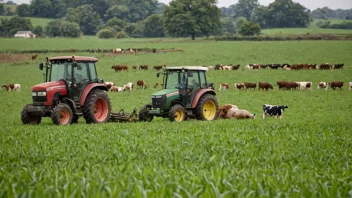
190, 74
74, 64
41, 66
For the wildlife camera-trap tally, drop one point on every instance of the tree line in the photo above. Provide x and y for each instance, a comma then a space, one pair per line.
149, 18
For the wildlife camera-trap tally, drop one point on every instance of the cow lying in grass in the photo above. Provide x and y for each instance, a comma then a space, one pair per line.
229, 111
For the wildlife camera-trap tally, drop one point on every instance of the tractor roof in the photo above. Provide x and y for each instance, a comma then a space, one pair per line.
77, 58
199, 68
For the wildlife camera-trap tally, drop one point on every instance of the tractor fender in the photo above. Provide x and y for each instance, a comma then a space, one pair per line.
199, 94
88, 88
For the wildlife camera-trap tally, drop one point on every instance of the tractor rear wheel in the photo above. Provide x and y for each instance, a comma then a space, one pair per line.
27, 118
207, 108
143, 114
177, 113
97, 107
62, 114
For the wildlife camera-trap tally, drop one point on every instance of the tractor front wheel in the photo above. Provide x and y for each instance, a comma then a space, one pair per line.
97, 107
62, 114
207, 108
143, 114
177, 113
27, 118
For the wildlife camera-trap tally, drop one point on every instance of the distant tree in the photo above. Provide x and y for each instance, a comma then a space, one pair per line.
41, 8
249, 29
106, 33
153, 26
23, 10
10, 3
160, 7
140, 9
88, 20
62, 28
261, 16
129, 28
239, 22
116, 23
2, 9
38, 30
119, 11
121, 34
138, 31
191, 18
245, 8
286, 13
227, 26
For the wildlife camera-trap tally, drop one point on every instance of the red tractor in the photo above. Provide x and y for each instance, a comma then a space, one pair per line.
71, 90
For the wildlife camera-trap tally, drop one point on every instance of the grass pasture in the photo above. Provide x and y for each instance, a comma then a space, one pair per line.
34, 20
306, 154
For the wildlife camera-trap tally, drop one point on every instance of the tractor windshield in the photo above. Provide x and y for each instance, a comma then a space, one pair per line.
172, 79
60, 70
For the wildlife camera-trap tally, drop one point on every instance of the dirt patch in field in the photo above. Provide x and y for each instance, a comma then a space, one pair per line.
14, 58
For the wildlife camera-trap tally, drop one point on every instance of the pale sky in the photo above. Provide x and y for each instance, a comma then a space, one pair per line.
310, 4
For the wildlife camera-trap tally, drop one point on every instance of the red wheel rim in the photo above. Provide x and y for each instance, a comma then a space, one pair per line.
100, 110
64, 116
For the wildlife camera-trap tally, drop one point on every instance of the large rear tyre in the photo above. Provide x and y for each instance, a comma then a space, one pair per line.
143, 114
62, 114
207, 108
27, 118
97, 107
177, 113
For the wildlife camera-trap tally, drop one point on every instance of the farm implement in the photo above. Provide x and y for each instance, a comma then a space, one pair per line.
72, 90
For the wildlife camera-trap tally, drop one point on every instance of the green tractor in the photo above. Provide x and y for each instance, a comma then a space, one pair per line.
186, 94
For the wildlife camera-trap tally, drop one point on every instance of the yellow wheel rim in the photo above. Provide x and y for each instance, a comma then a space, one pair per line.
179, 115
209, 110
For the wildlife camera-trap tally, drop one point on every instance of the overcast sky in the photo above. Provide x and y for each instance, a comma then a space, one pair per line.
310, 4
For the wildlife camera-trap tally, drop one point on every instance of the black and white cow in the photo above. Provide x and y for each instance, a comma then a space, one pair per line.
273, 110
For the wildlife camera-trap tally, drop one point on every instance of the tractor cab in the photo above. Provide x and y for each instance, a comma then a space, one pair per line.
75, 72
186, 94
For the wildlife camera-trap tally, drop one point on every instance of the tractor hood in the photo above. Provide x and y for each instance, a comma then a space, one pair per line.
167, 92
49, 86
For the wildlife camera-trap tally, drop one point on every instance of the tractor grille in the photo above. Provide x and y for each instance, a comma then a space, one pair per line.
39, 98
159, 101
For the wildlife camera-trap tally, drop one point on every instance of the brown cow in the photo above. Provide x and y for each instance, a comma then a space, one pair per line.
218, 67
12, 87
142, 84
157, 67
34, 56
236, 67
239, 86
143, 67
265, 85
224, 86
117, 68
155, 85
336, 84
323, 85
292, 85
338, 66
134, 67
109, 84
232, 111
250, 85
282, 84
325, 66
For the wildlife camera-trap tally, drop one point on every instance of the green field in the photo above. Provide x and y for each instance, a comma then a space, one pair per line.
35, 21
313, 30
306, 154
332, 21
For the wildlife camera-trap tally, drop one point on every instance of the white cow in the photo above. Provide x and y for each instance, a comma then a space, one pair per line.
231, 111
109, 84
226, 67
249, 67
116, 89
12, 87
305, 85
128, 86
117, 51
350, 86
323, 85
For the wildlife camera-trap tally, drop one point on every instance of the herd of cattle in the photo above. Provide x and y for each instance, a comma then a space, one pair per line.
323, 66
119, 68
284, 85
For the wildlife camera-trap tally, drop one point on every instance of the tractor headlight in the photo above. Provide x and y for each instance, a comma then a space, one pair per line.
34, 93
42, 93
